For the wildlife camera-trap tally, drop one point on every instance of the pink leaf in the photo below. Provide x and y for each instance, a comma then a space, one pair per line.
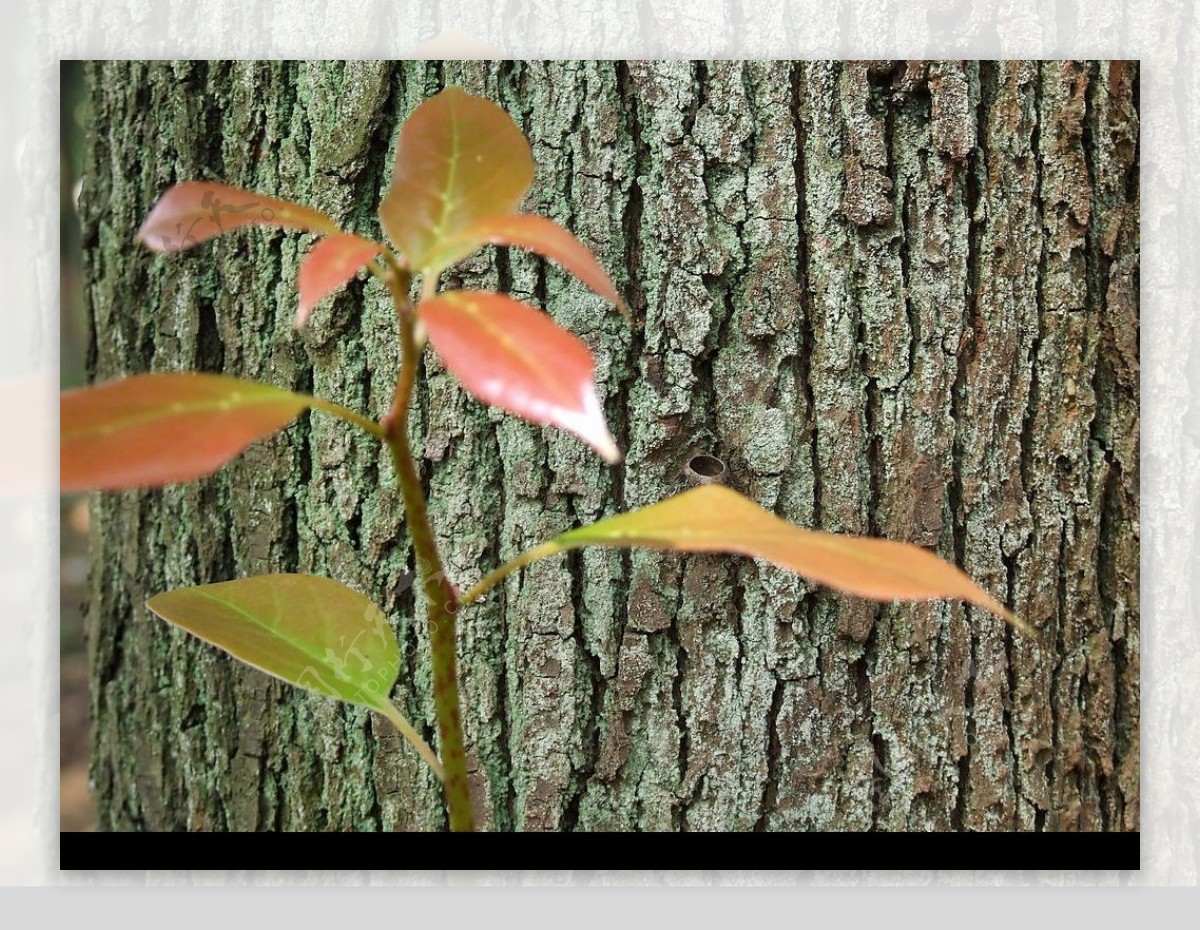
195, 211
148, 430
334, 261
514, 357
547, 238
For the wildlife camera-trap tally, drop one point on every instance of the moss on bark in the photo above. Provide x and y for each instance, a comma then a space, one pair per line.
894, 297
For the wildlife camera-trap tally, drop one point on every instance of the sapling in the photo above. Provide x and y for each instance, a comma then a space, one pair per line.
462, 169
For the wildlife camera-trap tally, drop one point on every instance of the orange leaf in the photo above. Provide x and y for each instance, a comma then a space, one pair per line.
195, 211
547, 238
713, 518
334, 261
149, 430
512, 356
459, 159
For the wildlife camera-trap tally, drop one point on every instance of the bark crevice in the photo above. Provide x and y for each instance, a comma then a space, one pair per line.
894, 297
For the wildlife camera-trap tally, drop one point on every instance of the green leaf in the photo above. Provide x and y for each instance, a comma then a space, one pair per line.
459, 158
306, 630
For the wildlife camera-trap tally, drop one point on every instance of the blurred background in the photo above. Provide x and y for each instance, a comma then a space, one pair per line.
75, 802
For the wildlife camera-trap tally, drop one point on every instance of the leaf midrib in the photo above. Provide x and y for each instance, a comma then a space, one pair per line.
449, 203
272, 631
526, 358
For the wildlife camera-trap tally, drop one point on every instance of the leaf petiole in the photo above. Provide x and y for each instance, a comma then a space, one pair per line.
494, 577
388, 709
344, 413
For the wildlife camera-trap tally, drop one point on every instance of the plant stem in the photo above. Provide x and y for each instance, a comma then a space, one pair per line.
439, 592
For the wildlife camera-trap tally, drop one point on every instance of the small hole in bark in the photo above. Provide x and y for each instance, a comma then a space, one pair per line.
704, 469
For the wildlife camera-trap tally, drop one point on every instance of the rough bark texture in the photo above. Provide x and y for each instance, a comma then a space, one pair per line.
895, 298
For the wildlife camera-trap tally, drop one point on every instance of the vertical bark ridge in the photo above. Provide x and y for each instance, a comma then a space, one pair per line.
894, 297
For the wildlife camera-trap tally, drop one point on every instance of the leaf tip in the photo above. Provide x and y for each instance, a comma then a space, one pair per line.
993, 606
143, 238
608, 450
594, 431
1021, 625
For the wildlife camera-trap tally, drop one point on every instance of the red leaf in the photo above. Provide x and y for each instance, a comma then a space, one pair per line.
515, 357
334, 261
459, 159
195, 211
149, 430
547, 238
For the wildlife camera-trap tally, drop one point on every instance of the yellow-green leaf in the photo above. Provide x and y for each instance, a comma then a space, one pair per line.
304, 629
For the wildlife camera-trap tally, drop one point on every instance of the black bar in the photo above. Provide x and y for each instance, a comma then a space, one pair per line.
940, 851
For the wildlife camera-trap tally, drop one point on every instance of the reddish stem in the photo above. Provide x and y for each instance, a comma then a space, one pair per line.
439, 592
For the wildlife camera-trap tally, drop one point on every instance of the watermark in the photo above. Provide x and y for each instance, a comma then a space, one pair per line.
347, 670
215, 207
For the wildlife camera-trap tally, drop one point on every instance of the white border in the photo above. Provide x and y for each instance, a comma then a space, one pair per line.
1161, 33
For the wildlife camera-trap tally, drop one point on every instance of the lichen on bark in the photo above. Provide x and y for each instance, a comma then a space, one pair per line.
896, 298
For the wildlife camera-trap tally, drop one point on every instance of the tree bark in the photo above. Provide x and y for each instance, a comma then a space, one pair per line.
896, 298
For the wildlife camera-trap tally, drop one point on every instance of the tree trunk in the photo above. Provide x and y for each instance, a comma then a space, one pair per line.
896, 298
